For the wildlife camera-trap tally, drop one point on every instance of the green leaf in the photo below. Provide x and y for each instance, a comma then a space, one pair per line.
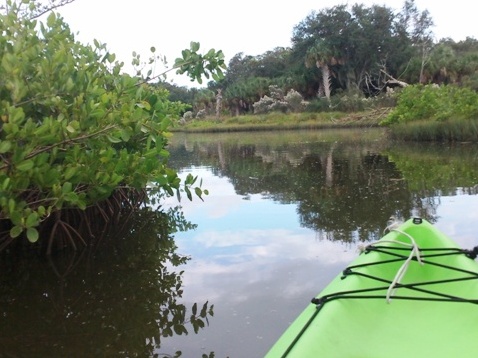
32, 234
70, 172
11, 205
143, 104
41, 210
66, 188
198, 192
16, 218
5, 146
113, 139
188, 193
25, 165
51, 19
32, 220
16, 231
195, 46
178, 329
71, 197
125, 135
190, 179
17, 116
6, 183
203, 313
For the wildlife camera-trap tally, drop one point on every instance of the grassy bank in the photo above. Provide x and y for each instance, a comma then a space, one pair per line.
456, 130
278, 121
449, 130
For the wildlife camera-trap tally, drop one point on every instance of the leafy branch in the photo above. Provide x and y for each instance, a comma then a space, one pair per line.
121, 126
195, 65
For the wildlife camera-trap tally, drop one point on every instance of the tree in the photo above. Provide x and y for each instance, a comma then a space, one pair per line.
33, 10
321, 56
204, 99
74, 130
454, 63
249, 77
416, 26
354, 46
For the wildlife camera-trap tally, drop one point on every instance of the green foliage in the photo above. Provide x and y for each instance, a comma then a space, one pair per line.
279, 121
196, 65
360, 48
433, 166
357, 43
429, 102
74, 129
463, 130
353, 101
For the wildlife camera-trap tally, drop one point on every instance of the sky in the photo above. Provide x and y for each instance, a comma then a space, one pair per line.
251, 27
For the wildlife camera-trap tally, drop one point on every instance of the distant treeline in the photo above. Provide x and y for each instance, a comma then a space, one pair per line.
351, 50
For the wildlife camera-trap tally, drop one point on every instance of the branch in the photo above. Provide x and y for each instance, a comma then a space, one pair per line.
46, 8
68, 141
394, 80
149, 79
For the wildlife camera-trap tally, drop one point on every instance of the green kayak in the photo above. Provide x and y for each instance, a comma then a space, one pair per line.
413, 293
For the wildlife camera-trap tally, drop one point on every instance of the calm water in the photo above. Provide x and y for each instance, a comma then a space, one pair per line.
285, 214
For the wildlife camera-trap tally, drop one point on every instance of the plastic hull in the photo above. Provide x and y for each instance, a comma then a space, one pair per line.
431, 311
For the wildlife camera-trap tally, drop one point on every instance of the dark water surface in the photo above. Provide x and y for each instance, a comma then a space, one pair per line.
285, 214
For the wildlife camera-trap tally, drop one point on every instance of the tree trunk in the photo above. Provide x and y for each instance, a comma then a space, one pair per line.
393, 80
326, 81
218, 103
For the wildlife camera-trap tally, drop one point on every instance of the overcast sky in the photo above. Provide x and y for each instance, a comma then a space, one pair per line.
252, 27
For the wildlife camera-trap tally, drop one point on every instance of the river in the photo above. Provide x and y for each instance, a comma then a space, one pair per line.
286, 212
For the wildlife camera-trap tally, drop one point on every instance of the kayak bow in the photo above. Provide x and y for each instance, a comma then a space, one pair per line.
413, 293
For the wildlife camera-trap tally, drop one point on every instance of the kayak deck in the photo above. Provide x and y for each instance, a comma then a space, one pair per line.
414, 293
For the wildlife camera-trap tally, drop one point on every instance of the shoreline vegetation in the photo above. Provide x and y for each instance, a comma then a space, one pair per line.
422, 113
286, 121
452, 130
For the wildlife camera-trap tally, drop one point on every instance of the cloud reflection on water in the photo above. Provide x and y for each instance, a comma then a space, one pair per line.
457, 217
255, 263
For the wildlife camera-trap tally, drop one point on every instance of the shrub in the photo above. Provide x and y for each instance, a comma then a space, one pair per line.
434, 103
201, 114
74, 128
293, 101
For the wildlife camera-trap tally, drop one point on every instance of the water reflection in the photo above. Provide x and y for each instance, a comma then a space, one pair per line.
255, 262
338, 179
120, 300
286, 212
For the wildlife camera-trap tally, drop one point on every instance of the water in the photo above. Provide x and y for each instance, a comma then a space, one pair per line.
285, 214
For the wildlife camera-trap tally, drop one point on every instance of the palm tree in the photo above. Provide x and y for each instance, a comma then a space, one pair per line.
321, 56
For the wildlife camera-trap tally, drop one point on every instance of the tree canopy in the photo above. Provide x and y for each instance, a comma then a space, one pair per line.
74, 128
352, 47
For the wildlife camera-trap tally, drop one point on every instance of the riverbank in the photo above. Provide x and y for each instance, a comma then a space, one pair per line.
423, 130
283, 121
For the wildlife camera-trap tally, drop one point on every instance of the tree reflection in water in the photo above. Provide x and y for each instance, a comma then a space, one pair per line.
119, 299
345, 183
